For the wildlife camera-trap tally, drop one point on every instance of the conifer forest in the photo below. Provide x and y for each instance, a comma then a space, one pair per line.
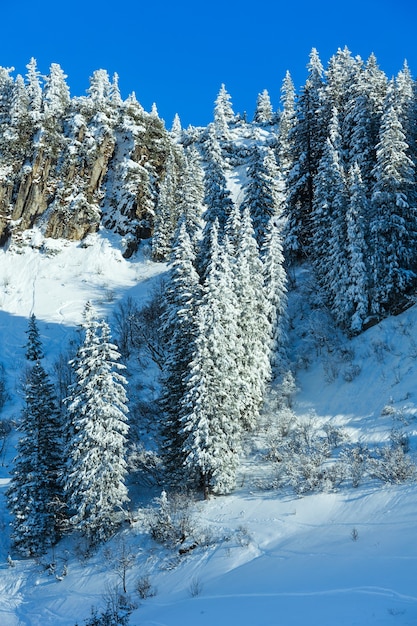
323, 182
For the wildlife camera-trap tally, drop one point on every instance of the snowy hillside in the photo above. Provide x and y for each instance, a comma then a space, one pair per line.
264, 555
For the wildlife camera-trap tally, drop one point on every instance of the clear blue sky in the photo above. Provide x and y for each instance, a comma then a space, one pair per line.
177, 53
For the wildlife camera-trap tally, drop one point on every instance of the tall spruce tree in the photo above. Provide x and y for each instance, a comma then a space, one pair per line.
307, 138
275, 288
287, 122
358, 272
34, 496
253, 339
178, 329
261, 194
34, 349
263, 111
210, 411
394, 212
97, 430
223, 114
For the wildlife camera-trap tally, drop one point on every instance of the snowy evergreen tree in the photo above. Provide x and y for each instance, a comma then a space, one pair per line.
329, 225
253, 334
115, 96
262, 194
34, 349
210, 411
263, 110
217, 199
97, 430
358, 290
178, 329
307, 138
394, 212
287, 122
166, 211
406, 90
191, 193
34, 91
100, 88
176, 129
223, 114
34, 496
56, 95
275, 289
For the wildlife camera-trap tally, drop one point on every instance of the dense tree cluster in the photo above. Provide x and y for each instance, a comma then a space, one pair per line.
351, 185
328, 179
70, 467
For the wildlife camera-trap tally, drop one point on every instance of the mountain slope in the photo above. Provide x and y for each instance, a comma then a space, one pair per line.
265, 555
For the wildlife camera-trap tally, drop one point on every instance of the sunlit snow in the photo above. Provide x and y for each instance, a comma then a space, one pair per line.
343, 558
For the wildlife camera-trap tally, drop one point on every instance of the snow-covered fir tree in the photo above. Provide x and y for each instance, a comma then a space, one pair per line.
358, 271
306, 147
34, 496
287, 121
275, 288
253, 338
34, 348
223, 114
217, 199
96, 434
262, 194
394, 212
210, 411
178, 329
166, 211
263, 111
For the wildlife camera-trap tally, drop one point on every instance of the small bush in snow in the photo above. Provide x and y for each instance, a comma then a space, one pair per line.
355, 461
171, 522
392, 465
195, 588
144, 588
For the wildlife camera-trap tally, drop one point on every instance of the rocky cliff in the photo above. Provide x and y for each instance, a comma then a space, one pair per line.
69, 165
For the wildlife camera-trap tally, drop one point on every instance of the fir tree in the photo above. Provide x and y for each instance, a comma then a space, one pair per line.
210, 407
178, 329
262, 195
287, 122
394, 213
34, 495
329, 224
358, 291
97, 430
34, 349
34, 91
223, 114
263, 110
56, 95
275, 289
218, 201
253, 338
307, 138
166, 211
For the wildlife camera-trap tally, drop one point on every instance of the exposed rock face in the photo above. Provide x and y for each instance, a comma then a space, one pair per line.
96, 161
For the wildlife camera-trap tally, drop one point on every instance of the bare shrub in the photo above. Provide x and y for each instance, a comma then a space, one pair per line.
195, 588
171, 522
145, 588
392, 465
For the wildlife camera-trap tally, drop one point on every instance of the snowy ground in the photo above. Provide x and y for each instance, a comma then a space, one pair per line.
348, 557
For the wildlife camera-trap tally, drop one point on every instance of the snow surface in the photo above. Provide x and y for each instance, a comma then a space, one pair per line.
274, 558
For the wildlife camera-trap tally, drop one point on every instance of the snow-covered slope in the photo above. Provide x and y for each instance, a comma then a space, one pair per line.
266, 557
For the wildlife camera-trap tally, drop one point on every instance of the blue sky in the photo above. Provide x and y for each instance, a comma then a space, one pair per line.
177, 54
